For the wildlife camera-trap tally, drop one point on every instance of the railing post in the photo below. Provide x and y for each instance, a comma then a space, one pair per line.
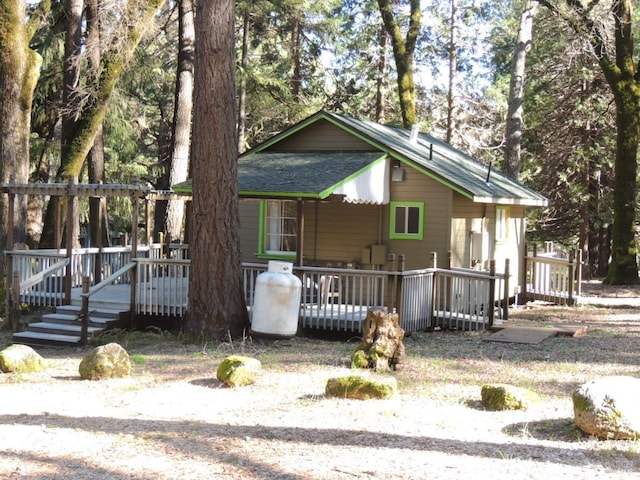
434, 260
392, 265
492, 290
134, 254
84, 312
570, 278
505, 299
397, 299
579, 273
72, 203
534, 269
14, 304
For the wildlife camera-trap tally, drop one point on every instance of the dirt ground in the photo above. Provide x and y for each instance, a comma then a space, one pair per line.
173, 420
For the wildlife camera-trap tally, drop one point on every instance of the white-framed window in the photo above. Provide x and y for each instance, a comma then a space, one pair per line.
502, 223
407, 220
279, 227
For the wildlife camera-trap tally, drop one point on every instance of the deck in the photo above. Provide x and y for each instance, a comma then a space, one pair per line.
331, 298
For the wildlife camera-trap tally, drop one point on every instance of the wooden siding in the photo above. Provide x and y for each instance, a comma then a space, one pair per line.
249, 211
321, 136
437, 199
337, 232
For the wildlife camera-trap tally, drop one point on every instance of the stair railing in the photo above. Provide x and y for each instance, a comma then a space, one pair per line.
87, 292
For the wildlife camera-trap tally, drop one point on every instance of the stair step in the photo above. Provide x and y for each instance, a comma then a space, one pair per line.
93, 312
62, 329
45, 339
67, 319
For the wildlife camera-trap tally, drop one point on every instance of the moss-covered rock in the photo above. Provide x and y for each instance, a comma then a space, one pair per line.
500, 396
106, 361
238, 370
608, 407
361, 388
21, 359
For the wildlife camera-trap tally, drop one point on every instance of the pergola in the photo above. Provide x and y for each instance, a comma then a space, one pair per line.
72, 191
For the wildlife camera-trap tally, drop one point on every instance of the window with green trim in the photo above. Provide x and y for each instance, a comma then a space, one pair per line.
407, 220
502, 223
279, 227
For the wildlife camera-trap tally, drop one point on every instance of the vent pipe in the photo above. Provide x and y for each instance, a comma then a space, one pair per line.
414, 134
488, 173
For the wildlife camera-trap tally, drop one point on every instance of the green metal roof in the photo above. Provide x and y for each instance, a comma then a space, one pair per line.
435, 158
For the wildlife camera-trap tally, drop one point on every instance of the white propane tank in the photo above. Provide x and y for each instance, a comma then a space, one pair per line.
276, 302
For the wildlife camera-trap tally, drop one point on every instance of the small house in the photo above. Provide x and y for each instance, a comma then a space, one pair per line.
334, 191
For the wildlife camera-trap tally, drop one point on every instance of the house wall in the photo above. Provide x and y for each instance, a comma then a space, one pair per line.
468, 217
437, 198
474, 217
337, 232
321, 136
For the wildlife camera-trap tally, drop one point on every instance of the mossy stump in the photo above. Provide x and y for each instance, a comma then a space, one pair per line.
238, 370
361, 388
381, 347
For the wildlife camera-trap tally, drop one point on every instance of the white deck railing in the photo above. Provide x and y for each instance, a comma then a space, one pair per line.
552, 277
331, 298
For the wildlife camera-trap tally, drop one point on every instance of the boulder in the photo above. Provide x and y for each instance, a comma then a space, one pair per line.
238, 371
361, 388
106, 361
607, 407
501, 396
21, 359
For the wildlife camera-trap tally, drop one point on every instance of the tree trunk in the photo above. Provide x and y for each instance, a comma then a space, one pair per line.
380, 81
19, 73
620, 70
90, 120
242, 94
181, 138
516, 91
98, 228
216, 296
403, 49
453, 72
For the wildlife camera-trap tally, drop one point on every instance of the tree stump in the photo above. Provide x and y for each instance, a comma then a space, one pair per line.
381, 347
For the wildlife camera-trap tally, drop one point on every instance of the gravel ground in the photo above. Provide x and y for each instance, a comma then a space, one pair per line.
173, 420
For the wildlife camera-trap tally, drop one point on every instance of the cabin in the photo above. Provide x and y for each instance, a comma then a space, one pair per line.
335, 191
369, 215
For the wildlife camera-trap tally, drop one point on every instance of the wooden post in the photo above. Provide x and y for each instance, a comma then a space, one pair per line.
434, 260
134, 253
579, 273
8, 261
14, 305
300, 233
570, 278
72, 206
492, 290
84, 313
147, 225
505, 299
392, 268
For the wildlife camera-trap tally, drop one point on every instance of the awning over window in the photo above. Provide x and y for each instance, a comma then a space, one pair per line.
370, 186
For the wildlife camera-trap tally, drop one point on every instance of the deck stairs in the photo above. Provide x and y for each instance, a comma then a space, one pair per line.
62, 328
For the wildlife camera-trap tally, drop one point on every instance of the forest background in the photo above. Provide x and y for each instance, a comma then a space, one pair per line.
124, 68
